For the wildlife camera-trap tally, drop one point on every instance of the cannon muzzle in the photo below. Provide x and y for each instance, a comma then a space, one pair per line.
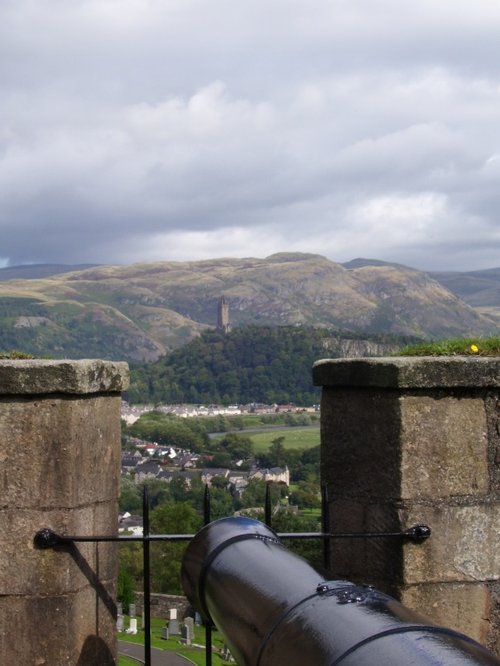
275, 609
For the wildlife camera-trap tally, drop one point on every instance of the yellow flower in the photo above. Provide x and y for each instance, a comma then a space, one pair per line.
474, 348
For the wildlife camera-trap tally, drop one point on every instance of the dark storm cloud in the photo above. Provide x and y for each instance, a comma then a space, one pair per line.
136, 130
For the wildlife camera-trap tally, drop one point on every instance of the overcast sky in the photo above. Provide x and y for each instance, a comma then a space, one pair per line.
146, 130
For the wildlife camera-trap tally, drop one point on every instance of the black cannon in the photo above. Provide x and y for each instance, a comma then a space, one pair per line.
275, 609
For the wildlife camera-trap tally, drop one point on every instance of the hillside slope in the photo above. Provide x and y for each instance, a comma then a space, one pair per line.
480, 289
140, 312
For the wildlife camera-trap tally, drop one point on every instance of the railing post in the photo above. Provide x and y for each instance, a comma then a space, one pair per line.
208, 625
268, 506
147, 578
325, 525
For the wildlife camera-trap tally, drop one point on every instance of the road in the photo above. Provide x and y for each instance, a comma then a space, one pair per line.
158, 657
245, 431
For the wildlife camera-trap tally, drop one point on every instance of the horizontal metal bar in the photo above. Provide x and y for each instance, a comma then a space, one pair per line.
47, 538
415, 533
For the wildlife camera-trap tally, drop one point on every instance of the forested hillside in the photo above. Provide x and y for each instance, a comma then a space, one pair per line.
250, 364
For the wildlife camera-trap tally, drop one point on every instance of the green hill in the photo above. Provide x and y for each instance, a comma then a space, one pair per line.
250, 364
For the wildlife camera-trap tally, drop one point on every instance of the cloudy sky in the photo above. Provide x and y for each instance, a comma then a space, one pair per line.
145, 130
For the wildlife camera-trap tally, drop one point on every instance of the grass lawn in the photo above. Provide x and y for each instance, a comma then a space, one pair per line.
126, 661
311, 512
271, 420
173, 644
295, 438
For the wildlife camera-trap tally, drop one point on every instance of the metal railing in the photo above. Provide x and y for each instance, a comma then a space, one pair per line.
47, 538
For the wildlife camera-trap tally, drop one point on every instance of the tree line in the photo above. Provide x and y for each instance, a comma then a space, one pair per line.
265, 364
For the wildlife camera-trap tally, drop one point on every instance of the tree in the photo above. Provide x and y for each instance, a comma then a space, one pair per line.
125, 589
131, 562
276, 456
166, 557
239, 446
179, 489
220, 459
307, 467
277, 452
254, 495
174, 518
219, 482
158, 491
221, 501
309, 549
169, 431
306, 496
130, 496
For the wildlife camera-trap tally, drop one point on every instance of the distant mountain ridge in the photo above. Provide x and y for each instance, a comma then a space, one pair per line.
480, 289
35, 271
141, 311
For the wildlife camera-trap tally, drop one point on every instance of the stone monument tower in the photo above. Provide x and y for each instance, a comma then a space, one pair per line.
223, 316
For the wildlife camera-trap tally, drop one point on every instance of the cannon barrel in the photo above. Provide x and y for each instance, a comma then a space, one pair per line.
275, 609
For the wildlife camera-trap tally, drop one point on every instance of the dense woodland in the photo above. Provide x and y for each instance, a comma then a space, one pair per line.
263, 364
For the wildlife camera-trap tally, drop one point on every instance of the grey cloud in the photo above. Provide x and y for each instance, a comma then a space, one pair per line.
133, 130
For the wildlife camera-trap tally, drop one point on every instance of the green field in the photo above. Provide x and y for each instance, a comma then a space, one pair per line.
295, 438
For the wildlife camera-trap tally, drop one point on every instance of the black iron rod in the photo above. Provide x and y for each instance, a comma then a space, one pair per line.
267, 505
206, 505
208, 624
49, 539
147, 581
60, 540
325, 525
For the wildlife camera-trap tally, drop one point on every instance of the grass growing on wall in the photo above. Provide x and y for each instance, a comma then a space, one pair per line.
455, 347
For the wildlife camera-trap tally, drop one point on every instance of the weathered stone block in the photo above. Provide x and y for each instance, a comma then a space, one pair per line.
58, 571
42, 377
458, 606
463, 546
46, 631
444, 446
50, 444
360, 453
417, 372
375, 561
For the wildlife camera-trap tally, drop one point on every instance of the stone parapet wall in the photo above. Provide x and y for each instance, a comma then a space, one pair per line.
417, 440
60, 462
162, 603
